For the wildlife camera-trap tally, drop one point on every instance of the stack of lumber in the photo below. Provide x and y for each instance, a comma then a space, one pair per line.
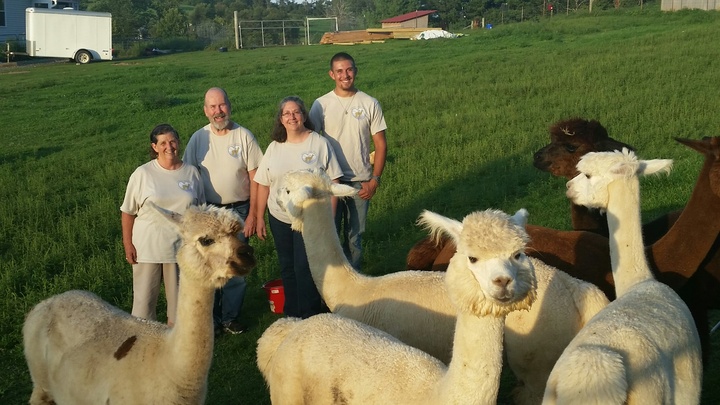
370, 35
353, 37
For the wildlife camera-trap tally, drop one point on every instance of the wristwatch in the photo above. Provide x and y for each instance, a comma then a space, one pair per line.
377, 178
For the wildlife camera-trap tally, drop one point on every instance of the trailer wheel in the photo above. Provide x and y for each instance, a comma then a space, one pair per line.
83, 57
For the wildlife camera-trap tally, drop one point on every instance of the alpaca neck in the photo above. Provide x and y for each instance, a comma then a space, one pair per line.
190, 341
473, 376
627, 254
330, 269
586, 219
693, 233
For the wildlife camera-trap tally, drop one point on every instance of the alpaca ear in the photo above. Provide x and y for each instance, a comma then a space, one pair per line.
317, 170
342, 190
171, 218
437, 225
520, 218
655, 166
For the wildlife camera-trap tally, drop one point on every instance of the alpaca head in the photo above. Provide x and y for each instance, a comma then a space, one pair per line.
211, 253
569, 141
298, 187
489, 273
598, 170
710, 147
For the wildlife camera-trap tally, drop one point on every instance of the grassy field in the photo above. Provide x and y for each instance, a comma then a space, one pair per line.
464, 117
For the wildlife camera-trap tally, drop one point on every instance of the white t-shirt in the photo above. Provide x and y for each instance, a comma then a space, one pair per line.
224, 162
349, 123
175, 190
281, 158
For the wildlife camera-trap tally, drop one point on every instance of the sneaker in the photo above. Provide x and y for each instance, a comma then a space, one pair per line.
234, 327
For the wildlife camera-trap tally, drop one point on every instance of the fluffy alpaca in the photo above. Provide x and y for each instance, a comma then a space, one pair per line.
82, 350
331, 359
571, 139
414, 307
687, 257
643, 348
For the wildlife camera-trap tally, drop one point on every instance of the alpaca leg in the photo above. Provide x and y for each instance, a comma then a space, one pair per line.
40, 397
35, 345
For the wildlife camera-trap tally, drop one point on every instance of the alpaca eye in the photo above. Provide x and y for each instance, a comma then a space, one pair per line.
517, 256
205, 241
571, 148
472, 259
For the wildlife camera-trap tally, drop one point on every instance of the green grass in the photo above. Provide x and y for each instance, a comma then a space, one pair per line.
464, 117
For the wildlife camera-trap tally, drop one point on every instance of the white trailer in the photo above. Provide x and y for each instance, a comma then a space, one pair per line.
78, 35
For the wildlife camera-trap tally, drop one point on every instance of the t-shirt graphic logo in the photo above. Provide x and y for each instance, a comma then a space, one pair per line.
309, 157
184, 185
234, 150
358, 112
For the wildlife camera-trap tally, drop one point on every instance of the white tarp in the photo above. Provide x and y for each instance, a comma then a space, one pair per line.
432, 34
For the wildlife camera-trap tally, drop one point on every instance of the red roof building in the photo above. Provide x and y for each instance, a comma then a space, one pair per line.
416, 19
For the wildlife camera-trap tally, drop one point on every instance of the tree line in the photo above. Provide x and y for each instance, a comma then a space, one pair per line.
188, 18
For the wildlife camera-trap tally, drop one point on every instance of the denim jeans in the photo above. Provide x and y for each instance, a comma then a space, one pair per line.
229, 299
302, 298
350, 223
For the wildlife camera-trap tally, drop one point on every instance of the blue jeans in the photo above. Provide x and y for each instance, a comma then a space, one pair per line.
229, 299
302, 299
350, 223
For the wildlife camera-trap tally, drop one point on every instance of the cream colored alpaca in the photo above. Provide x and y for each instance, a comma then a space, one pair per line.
643, 348
329, 359
81, 350
414, 306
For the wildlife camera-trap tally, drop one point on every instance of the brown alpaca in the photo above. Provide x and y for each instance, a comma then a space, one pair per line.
569, 140
687, 257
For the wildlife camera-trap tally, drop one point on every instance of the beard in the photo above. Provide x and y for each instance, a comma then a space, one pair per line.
225, 123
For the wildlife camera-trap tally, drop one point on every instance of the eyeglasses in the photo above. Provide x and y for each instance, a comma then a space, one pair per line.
288, 114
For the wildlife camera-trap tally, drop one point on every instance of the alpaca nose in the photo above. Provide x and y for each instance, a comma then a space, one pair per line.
502, 281
245, 249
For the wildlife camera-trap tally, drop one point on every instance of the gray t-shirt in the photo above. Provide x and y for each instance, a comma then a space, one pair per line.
281, 158
175, 190
349, 123
224, 162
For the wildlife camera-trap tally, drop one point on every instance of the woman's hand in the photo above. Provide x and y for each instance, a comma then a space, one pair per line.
130, 254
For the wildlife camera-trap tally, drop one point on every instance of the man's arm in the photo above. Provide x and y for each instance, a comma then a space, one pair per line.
380, 143
370, 187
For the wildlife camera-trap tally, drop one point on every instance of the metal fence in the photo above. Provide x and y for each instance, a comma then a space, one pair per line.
262, 33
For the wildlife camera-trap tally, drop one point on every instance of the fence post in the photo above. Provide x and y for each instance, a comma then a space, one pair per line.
237, 44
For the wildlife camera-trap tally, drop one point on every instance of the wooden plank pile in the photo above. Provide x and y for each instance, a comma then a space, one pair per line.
353, 37
370, 35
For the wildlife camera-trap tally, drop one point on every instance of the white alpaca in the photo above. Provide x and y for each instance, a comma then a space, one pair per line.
414, 306
82, 350
643, 348
329, 359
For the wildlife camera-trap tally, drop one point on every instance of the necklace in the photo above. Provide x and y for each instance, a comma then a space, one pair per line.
346, 108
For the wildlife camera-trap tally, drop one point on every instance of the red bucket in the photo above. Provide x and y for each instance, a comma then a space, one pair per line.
276, 295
